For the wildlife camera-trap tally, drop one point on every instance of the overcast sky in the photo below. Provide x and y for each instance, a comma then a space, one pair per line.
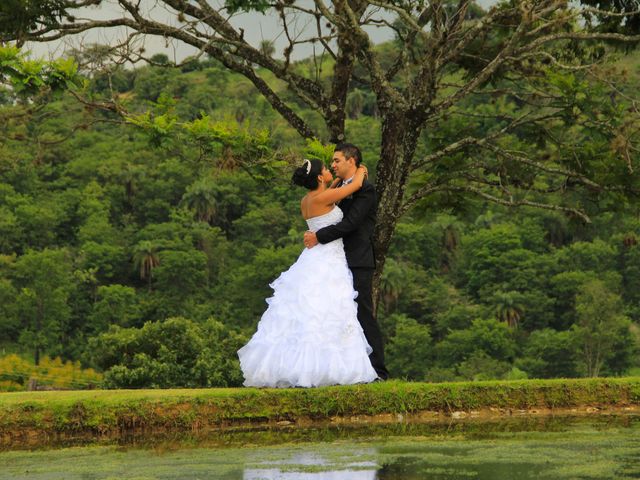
257, 27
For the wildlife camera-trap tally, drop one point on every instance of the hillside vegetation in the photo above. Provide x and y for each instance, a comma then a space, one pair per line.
145, 249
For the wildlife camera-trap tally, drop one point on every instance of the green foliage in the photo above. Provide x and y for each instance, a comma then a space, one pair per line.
509, 307
227, 138
317, 150
595, 256
176, 352
115, 305
44, 282
227, 141
483, 264
231, 192
180, 275
15, 373
187, 211
247, 286
418, 243
149, 84
234, 6
391, 285
264, 225
29, 77
146, 259
480, 366
10, 325
548, 354
18, 17
201, 200
630, 259
410, 349
158, 123
602, 331
624, 22
498, 269
489, 337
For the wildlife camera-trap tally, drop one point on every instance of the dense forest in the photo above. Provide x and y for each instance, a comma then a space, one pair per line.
144, 248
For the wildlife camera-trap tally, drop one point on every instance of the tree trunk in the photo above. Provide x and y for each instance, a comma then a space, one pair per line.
39, 317
597, 362
399, 139
342, 71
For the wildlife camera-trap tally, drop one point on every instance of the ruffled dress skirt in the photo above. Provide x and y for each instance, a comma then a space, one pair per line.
309, 335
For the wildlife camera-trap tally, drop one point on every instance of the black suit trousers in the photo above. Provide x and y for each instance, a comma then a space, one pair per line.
362, 283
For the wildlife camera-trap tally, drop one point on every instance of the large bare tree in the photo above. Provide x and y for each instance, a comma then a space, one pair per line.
540, 57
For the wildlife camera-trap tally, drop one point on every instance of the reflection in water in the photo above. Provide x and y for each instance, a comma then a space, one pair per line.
602, 449
298, 467
277, 474
475, 429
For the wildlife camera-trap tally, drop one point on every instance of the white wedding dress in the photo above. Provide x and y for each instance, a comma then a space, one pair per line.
309, 335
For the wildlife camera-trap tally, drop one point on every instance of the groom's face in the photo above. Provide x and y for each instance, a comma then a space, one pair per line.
342, 167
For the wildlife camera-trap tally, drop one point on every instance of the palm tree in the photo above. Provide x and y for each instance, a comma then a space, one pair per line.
391, 284
557, 231
508, 308
200, 199
355, 103
488, 218
129, 177
268, 48
630, 240
146, 258
450, 240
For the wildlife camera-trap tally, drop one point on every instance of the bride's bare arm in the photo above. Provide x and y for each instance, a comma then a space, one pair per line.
334, 195
337, 180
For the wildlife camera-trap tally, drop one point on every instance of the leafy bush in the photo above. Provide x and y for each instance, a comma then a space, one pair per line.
490, 337
176, 352
548, 354
410, 350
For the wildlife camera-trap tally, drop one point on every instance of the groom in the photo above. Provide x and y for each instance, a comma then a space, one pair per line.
356, 231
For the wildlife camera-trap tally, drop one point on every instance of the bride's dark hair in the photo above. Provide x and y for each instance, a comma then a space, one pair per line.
307, 175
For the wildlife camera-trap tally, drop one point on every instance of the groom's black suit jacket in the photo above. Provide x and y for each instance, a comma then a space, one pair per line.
356, 227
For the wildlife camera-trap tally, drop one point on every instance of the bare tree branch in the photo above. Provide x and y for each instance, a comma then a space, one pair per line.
466, 142
519, 203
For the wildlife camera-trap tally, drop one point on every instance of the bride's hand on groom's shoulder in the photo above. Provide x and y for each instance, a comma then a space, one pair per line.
360, 176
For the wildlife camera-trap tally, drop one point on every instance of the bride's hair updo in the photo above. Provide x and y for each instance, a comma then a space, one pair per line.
307, 175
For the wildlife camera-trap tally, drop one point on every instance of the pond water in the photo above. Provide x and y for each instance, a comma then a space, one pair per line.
550, 448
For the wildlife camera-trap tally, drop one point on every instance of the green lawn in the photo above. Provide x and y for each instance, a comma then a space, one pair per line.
110, 411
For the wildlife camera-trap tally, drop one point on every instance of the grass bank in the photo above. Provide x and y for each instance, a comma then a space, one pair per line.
114, 412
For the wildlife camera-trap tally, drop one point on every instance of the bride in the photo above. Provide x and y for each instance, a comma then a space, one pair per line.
309, 335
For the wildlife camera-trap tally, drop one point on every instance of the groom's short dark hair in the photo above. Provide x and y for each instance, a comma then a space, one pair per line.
349, 150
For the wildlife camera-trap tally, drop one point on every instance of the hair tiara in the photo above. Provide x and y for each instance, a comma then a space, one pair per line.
307, 165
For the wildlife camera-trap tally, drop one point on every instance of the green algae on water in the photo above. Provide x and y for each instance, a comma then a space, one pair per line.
575, 449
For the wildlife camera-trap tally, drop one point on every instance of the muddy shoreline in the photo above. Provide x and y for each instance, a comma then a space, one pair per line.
234, 433
39, 418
